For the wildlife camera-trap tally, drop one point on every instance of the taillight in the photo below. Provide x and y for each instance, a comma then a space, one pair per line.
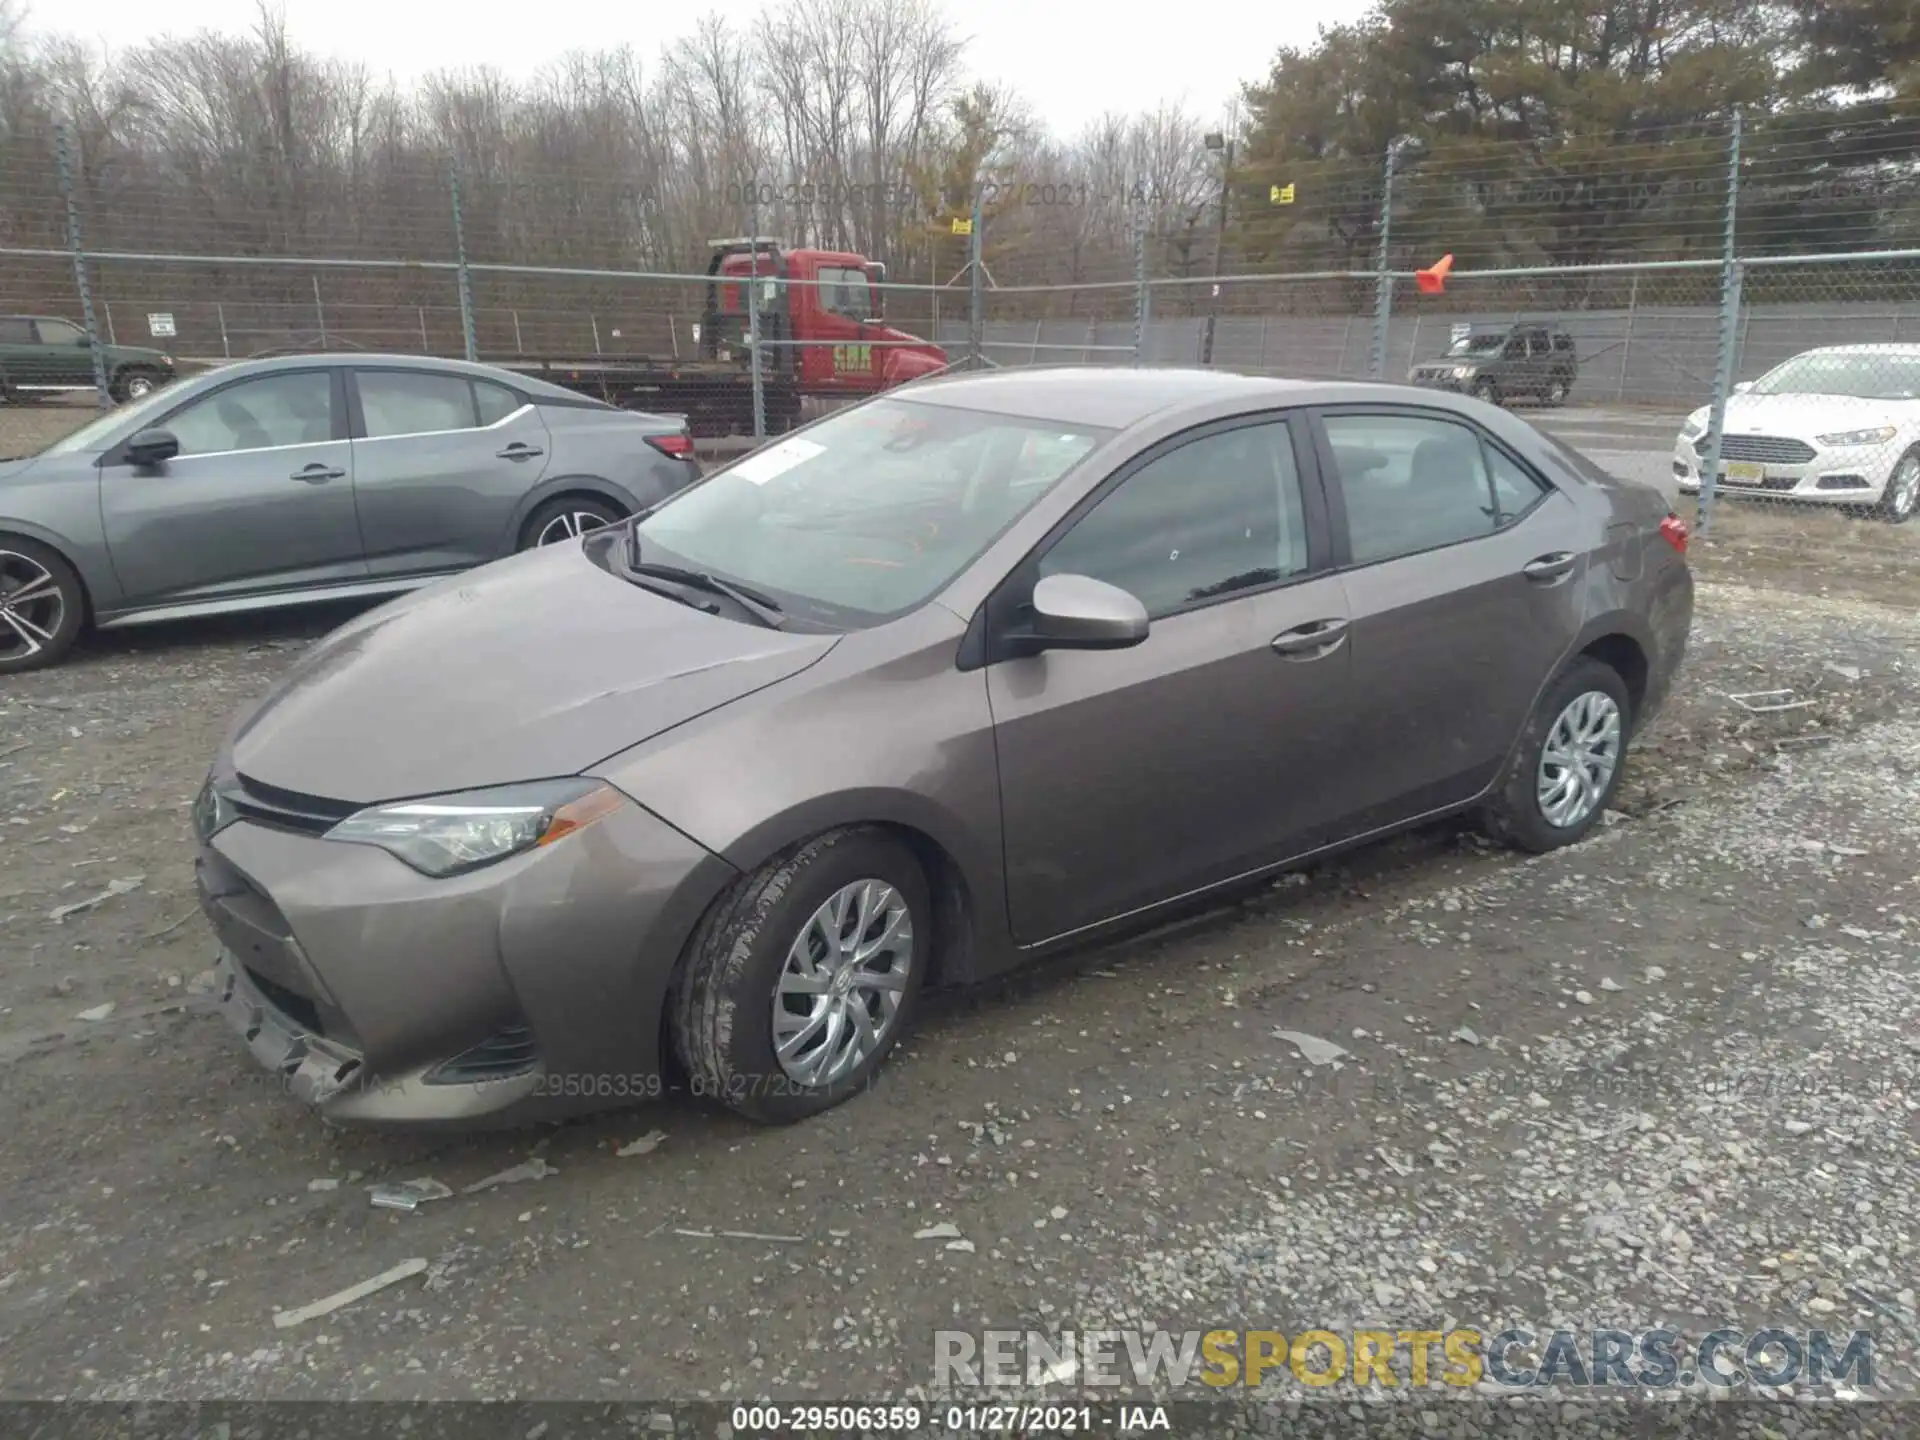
1674, 531
679, 446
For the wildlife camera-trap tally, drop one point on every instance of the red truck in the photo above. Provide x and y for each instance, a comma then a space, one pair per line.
821, 337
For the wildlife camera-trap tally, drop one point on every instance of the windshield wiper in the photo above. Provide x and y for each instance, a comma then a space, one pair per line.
753, 602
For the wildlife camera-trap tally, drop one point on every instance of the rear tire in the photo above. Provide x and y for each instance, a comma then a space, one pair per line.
568, 518
1567, 767
136, 382
42, 606
1558, 389
764, 958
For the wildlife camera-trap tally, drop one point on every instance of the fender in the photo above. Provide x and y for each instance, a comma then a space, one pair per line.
90, 561
1599, 627
968, 899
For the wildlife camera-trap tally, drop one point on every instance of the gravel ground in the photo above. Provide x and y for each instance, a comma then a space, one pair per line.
1685, 1096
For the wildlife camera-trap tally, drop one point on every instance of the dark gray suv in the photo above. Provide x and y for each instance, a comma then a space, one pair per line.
309, 478
1516, 362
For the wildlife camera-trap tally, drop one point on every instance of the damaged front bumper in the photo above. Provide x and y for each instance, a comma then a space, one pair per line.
334, 1078
527, 990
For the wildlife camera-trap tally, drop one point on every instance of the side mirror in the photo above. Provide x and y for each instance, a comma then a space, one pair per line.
152, 447
1743, 387
1077, 612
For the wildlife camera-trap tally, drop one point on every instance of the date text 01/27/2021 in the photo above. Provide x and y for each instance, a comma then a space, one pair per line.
955, 1419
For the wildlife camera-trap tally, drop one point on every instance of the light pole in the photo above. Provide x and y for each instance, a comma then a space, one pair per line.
1220, 144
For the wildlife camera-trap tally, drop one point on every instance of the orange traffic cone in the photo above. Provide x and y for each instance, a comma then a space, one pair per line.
1434, 279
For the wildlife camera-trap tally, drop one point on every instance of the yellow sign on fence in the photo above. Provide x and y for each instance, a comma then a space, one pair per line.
962, 227
1281, 194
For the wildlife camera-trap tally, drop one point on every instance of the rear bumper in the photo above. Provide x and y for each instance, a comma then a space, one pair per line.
1670, 617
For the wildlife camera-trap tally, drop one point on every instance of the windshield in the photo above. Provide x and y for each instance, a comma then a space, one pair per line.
98, 433
1477, 344
869, 513
1860, 376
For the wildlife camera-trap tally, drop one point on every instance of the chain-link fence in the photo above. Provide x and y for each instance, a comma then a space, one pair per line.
1642, 300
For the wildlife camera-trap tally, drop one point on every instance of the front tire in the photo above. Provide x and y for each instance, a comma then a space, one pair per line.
567, 518
1902, 497
1486, 390
42, 606
800, 980
1568, 764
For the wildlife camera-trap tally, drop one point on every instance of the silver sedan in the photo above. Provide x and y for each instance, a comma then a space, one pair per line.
309, 478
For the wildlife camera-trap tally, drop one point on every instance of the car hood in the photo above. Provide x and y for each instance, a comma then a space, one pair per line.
535, 666
1811, 415
10, 468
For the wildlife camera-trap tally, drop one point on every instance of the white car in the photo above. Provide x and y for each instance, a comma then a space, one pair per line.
1836, 426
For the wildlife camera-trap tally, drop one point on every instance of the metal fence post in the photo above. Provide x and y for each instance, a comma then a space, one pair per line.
1383, 285
426, 345
1730, 278
319, 310
226, 345
753, 320
1626, 345
460, 254
976, 287
1142, 294
64, 155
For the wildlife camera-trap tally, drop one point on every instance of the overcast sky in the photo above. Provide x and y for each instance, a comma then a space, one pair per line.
1073, 59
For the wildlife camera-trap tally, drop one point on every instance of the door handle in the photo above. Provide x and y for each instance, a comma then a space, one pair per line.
318, 473
1549, 568
1311, 641
519, 451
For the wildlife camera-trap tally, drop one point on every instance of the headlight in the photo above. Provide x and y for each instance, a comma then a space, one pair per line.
210, 816
451, 834
1463, 372
1879, 436
1695, 427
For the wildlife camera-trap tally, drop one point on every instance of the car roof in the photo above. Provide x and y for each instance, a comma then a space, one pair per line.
1881, 347
526, 384
1109, 397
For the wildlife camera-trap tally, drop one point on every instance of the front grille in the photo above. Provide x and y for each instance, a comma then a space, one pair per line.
297, 1008
284, 809
1760, 449
501, 1056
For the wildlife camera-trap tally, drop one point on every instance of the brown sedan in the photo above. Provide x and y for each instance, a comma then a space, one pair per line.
977, 670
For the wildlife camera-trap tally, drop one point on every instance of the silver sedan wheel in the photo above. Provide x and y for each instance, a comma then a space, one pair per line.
839, 992
569, 525
1903, 489
1578, 761
32, 609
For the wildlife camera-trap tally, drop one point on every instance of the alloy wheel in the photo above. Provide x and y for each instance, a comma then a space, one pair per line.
32, 609
569, 525
139, 387
838, 995
1578, 760
1903, 488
